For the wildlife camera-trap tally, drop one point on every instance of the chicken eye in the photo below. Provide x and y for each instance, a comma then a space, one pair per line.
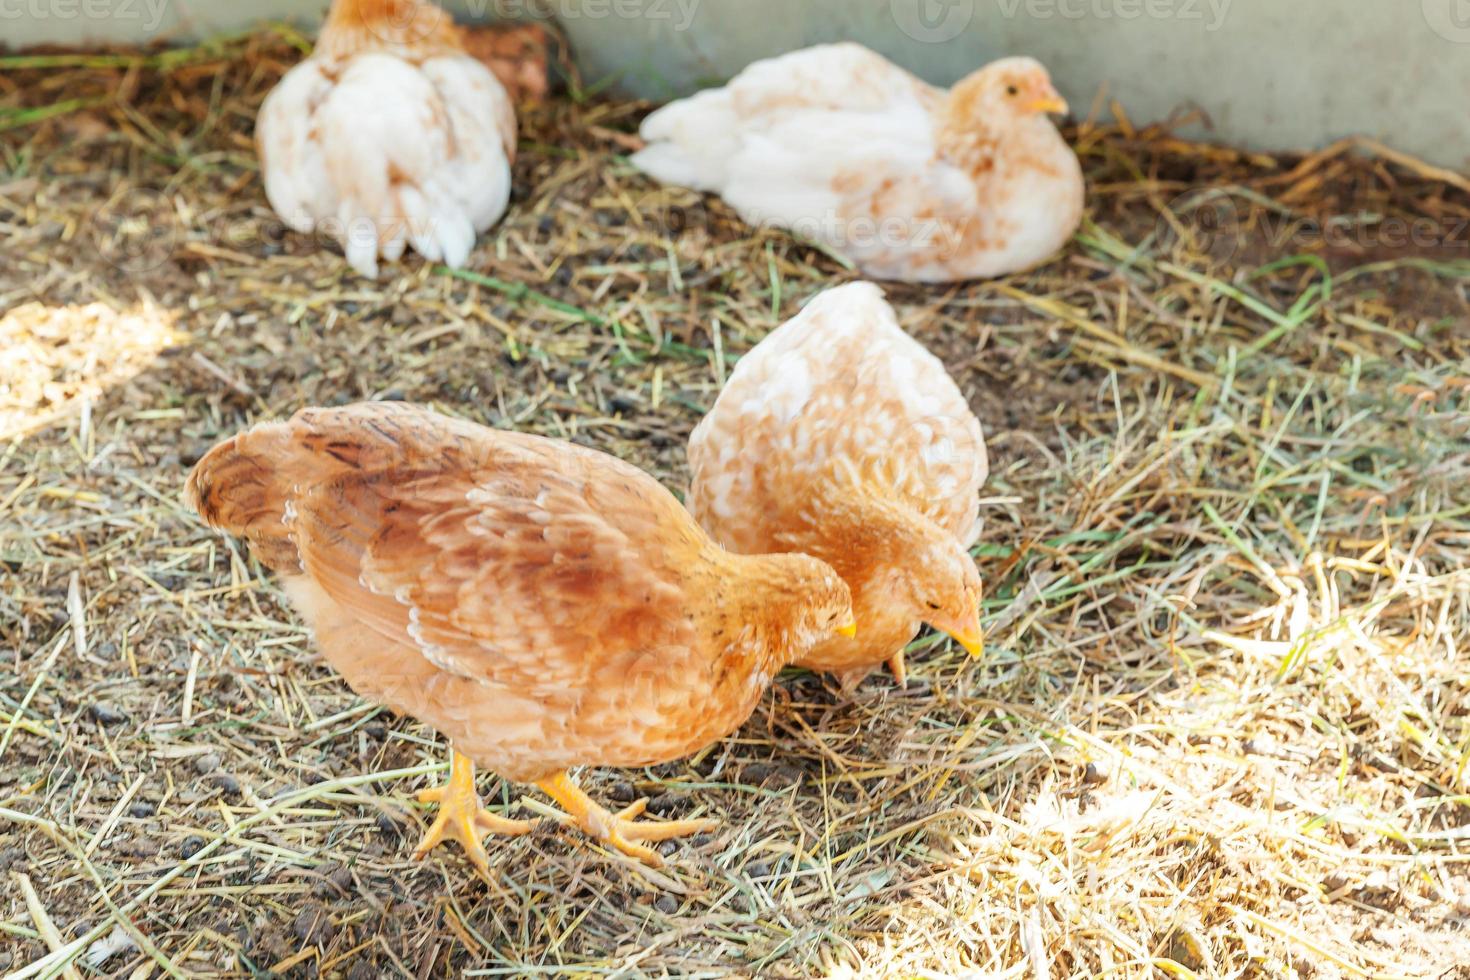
1012, 90
931, 605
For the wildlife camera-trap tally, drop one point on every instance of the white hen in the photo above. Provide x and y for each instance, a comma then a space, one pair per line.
389, 135
909, 181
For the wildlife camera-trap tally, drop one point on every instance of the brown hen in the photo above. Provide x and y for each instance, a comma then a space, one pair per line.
543, 605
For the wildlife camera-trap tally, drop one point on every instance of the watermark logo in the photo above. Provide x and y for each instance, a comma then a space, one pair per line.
1213, 223
136, 232
1450, 19
414, 21
673, 216
932, 21
938, 457
147, 12
1203, 222
1210, 13
405, 22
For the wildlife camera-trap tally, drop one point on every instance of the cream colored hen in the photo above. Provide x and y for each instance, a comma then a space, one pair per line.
841, 437
909, 181
543, 605
389, 136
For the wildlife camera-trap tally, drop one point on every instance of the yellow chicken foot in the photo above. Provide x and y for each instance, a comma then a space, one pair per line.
461, 818
619, 829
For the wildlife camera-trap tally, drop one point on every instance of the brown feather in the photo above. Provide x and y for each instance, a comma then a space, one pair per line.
542, 604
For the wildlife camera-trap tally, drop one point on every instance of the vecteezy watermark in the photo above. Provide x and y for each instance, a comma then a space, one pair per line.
936, 21
1205, 222
674, 215
407, 23
1211, 223
854, 235
136, 231
411, 23
679, 14
938, 457
1450, 19
1211, 12
148, 12
862, 233
932, 21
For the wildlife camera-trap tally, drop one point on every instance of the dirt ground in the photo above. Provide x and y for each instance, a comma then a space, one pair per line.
1222, 728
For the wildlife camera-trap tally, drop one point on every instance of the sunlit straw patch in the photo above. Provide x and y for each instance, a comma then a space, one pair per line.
53, 358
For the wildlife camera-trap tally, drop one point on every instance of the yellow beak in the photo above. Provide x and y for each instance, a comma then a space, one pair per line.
849, 630
1049, 103
971, 637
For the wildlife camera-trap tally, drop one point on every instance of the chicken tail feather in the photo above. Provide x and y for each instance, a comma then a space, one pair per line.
690, 142
237, 488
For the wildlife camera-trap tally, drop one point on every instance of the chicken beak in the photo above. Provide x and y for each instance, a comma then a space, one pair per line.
848, 630
1051, 102
970, 636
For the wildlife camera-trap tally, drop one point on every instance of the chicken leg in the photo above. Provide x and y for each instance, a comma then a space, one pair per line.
900, 672
462, 818
620, 829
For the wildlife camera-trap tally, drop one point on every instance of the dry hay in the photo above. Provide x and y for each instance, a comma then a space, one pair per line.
1222, 727
53, 360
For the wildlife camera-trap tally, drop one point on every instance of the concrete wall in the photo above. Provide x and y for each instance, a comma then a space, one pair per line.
1269, 74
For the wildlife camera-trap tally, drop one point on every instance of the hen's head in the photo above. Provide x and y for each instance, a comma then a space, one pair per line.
940, 583
896, 556
414, 28
1007, 90
824, 603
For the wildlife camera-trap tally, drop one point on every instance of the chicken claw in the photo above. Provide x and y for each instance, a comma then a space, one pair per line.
900, 672
620, 829
461, 817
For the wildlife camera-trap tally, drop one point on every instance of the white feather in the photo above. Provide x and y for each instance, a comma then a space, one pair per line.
842, 147
690, 141
380, 153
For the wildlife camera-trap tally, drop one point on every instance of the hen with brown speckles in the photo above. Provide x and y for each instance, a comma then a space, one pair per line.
542, 605
841, 437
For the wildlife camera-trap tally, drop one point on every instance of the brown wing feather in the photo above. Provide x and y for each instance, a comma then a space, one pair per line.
238, 490
482, 549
